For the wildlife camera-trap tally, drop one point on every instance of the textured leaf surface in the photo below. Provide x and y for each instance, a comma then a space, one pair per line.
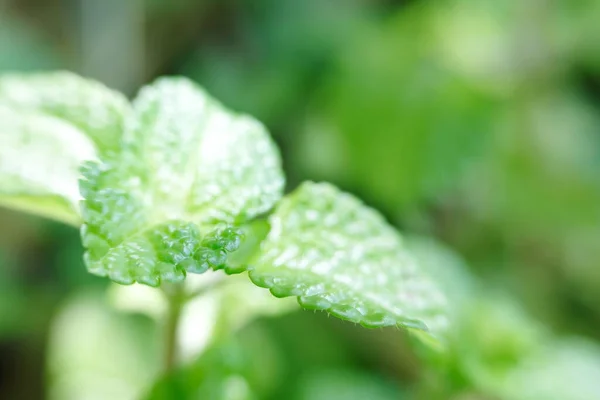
90, 106
40, 157
338, 255
189, 174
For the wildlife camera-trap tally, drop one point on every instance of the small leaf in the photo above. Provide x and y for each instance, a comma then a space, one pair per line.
562, 369
190, 173
229, 369
40, 157
338, 255
90, 106
95, 352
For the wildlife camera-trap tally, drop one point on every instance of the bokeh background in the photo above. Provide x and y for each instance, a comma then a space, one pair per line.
474, 124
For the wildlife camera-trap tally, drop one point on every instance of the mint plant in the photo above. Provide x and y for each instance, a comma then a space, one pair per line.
175, 184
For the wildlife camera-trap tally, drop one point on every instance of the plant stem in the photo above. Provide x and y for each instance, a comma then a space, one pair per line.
175, 300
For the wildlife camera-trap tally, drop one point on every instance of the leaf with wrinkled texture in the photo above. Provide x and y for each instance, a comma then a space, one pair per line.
90, 106
40, 157
190, 173
337, 255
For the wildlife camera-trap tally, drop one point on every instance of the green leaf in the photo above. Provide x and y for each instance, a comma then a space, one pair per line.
224, 371
90, 106
448, 269
40, 157
492, 336
189, 175
95, 352
563, 369
338, 255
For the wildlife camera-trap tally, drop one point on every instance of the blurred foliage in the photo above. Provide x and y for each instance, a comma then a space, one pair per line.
81, 357
476, 124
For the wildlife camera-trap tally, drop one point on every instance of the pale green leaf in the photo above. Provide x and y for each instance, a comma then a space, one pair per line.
95, 352
90, 106
563, 369
335, 254
190, 173
40, 157
447, 268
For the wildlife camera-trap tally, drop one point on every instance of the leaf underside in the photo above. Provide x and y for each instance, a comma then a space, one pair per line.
337, 255
172, 201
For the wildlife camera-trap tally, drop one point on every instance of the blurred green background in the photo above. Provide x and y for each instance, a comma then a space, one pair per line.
475, 124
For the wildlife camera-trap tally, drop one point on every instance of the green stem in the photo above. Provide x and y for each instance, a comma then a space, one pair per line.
175, 299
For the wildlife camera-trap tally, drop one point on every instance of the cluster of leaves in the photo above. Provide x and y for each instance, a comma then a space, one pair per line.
171, 182
174, 184
529, 217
